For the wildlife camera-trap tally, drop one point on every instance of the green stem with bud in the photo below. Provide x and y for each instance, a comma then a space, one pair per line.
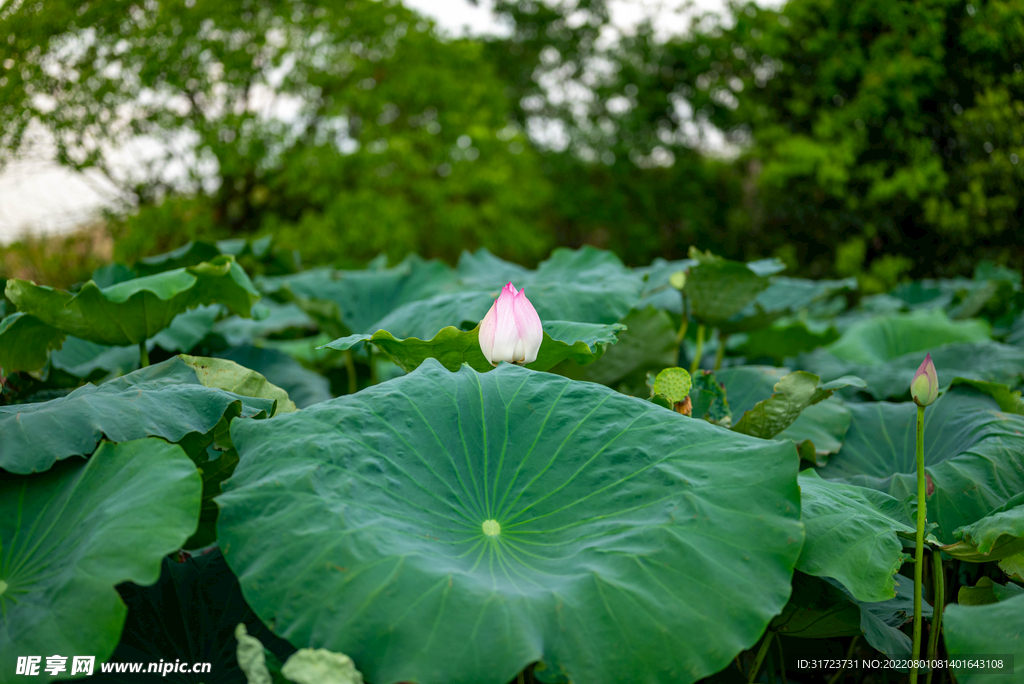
919, 546
143, 354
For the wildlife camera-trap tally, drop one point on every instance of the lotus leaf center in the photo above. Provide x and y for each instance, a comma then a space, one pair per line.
492, 528
3, 587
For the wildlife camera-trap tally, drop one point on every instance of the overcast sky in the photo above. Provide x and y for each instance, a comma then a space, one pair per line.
39, 196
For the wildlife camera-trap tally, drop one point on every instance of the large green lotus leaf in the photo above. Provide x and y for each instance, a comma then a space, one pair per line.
998, 535
980, 631
94, 362
190, 254
186, 330
71, 534
825, 609
718, 289
482, 269
784, 296
874, 341
135, 310
880, 622
232, 377
25, 342
658, 290
824, 425
972, 453
97, 362
1007, 399
304, 387
268, 318
1016, 333
456, 527
113, 273
771, 400
164, 400
748, 385
582, 342
215, 466
986, 591
985, 361
190, 614
792, 295
1013, 566
785, 339
424, 319
648, 344
585, 285
817, 610
792, 394
348, 302
852, 536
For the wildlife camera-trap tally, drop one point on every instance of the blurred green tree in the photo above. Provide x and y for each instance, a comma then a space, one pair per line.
345, 129
629, 158
887, 136
876, 138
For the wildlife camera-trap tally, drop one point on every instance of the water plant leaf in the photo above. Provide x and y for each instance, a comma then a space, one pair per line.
984, 361
996, 629
876, 340
647, 344
586, 286
822, 427
971, 453
852, 536
232, 377
71, 534
582, 342
790, 396
823, 609
138, 309
165, 400
189, 614
305, 387
998, 535
718, 288
526, 517
25, 342
349, 302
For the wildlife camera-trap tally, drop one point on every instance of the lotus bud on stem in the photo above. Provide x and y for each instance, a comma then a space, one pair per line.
511, 331
924, 389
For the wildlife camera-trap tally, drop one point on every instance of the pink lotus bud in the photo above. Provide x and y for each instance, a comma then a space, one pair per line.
924, 388
511, 330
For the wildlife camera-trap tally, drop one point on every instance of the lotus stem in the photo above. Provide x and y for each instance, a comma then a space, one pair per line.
761, 652
373, 365
350, 369
849, 652
720, 353
700, 349
143, 354
782, 660
919, 546
938, 602
681, 335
